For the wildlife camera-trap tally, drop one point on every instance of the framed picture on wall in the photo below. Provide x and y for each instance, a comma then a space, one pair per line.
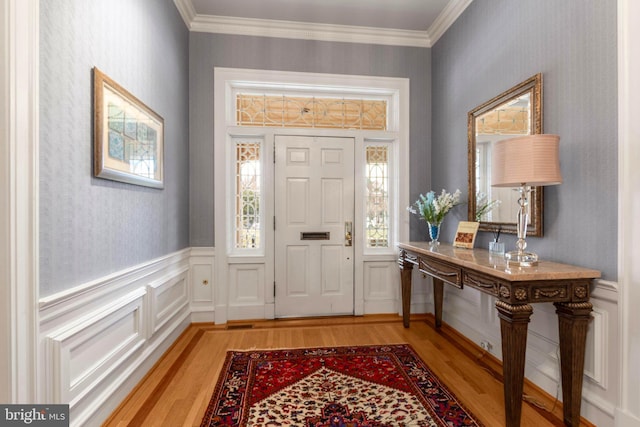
128, 136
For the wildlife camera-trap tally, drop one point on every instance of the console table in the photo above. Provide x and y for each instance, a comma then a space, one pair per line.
515, 289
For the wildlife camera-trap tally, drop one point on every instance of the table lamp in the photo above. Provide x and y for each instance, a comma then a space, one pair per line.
525, 162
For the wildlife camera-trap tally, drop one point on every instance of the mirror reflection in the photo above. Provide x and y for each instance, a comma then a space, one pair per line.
515, 112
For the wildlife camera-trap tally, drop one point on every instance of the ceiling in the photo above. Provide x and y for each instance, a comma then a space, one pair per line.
390, 22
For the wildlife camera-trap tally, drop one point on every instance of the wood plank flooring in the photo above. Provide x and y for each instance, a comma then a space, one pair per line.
177, 390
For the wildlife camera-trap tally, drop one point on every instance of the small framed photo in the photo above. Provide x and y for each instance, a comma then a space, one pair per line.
128, 136
466, 234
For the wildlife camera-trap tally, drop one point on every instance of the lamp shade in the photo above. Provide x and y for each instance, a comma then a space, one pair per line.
531, 160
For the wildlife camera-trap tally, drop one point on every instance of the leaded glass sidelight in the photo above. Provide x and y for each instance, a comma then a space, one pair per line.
377, 196
248, 195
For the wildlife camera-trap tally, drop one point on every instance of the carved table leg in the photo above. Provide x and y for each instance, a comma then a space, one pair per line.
573, 321
405, 280
514, 320
438, 292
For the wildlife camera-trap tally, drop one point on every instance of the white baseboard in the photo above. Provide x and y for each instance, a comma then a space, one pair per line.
381, 306
204, 316
625, 419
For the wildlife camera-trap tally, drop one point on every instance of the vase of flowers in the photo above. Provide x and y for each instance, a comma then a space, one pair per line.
433, 209
434, 232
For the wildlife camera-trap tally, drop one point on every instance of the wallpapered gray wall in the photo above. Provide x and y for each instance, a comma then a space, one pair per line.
214, 50
90, 227
496, 44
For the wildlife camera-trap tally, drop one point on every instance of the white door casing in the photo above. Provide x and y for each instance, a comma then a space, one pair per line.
314, 208
235, 300
19, 189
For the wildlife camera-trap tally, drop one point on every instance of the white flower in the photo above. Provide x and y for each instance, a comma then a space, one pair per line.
433, 209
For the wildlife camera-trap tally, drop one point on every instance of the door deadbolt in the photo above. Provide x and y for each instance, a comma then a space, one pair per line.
348, 238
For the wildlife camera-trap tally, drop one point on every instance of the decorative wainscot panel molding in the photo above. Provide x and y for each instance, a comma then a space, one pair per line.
381, 287
167, 297
202, 264
421, 293
247, 291
87, 351
99, 339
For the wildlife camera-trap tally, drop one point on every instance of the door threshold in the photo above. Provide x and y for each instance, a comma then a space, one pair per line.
320, 321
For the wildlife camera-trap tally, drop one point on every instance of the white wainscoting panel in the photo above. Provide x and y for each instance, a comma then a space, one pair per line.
421, 293
202, 262
596, 359
167, 296
381, 287
246, 291
84, 352
100, 339
602, 371
467, 305
473, 314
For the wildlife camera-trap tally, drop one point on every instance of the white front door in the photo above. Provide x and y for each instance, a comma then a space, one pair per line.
314, 209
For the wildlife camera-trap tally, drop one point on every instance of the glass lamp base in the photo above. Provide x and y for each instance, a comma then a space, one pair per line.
521, 259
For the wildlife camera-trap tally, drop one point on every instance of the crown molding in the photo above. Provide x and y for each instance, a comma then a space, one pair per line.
186, 10
322, 32
308, 31
448, 16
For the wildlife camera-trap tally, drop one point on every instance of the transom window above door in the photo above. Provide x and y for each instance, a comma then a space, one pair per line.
271, 110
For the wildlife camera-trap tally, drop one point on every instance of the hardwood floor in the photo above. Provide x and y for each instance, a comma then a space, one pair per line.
177, 390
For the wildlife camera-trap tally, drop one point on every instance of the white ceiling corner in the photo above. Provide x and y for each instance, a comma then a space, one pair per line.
186, 10
447, 17
321, 31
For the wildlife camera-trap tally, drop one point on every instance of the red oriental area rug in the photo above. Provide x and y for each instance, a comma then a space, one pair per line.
370, 386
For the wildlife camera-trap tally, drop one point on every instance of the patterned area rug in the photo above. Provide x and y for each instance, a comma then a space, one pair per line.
325, 387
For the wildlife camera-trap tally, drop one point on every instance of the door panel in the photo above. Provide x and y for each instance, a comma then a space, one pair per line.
331, 276
297, 267
332, 198
297, 213
314, 199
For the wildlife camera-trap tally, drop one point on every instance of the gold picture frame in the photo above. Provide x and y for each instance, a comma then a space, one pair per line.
128, 136
526, 96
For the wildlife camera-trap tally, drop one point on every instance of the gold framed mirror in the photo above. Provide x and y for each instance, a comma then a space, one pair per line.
515, 112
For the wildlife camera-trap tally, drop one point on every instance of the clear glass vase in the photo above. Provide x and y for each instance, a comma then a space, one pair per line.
434, 232
496, 248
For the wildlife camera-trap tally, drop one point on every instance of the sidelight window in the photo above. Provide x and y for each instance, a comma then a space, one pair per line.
377, 200
248, 195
